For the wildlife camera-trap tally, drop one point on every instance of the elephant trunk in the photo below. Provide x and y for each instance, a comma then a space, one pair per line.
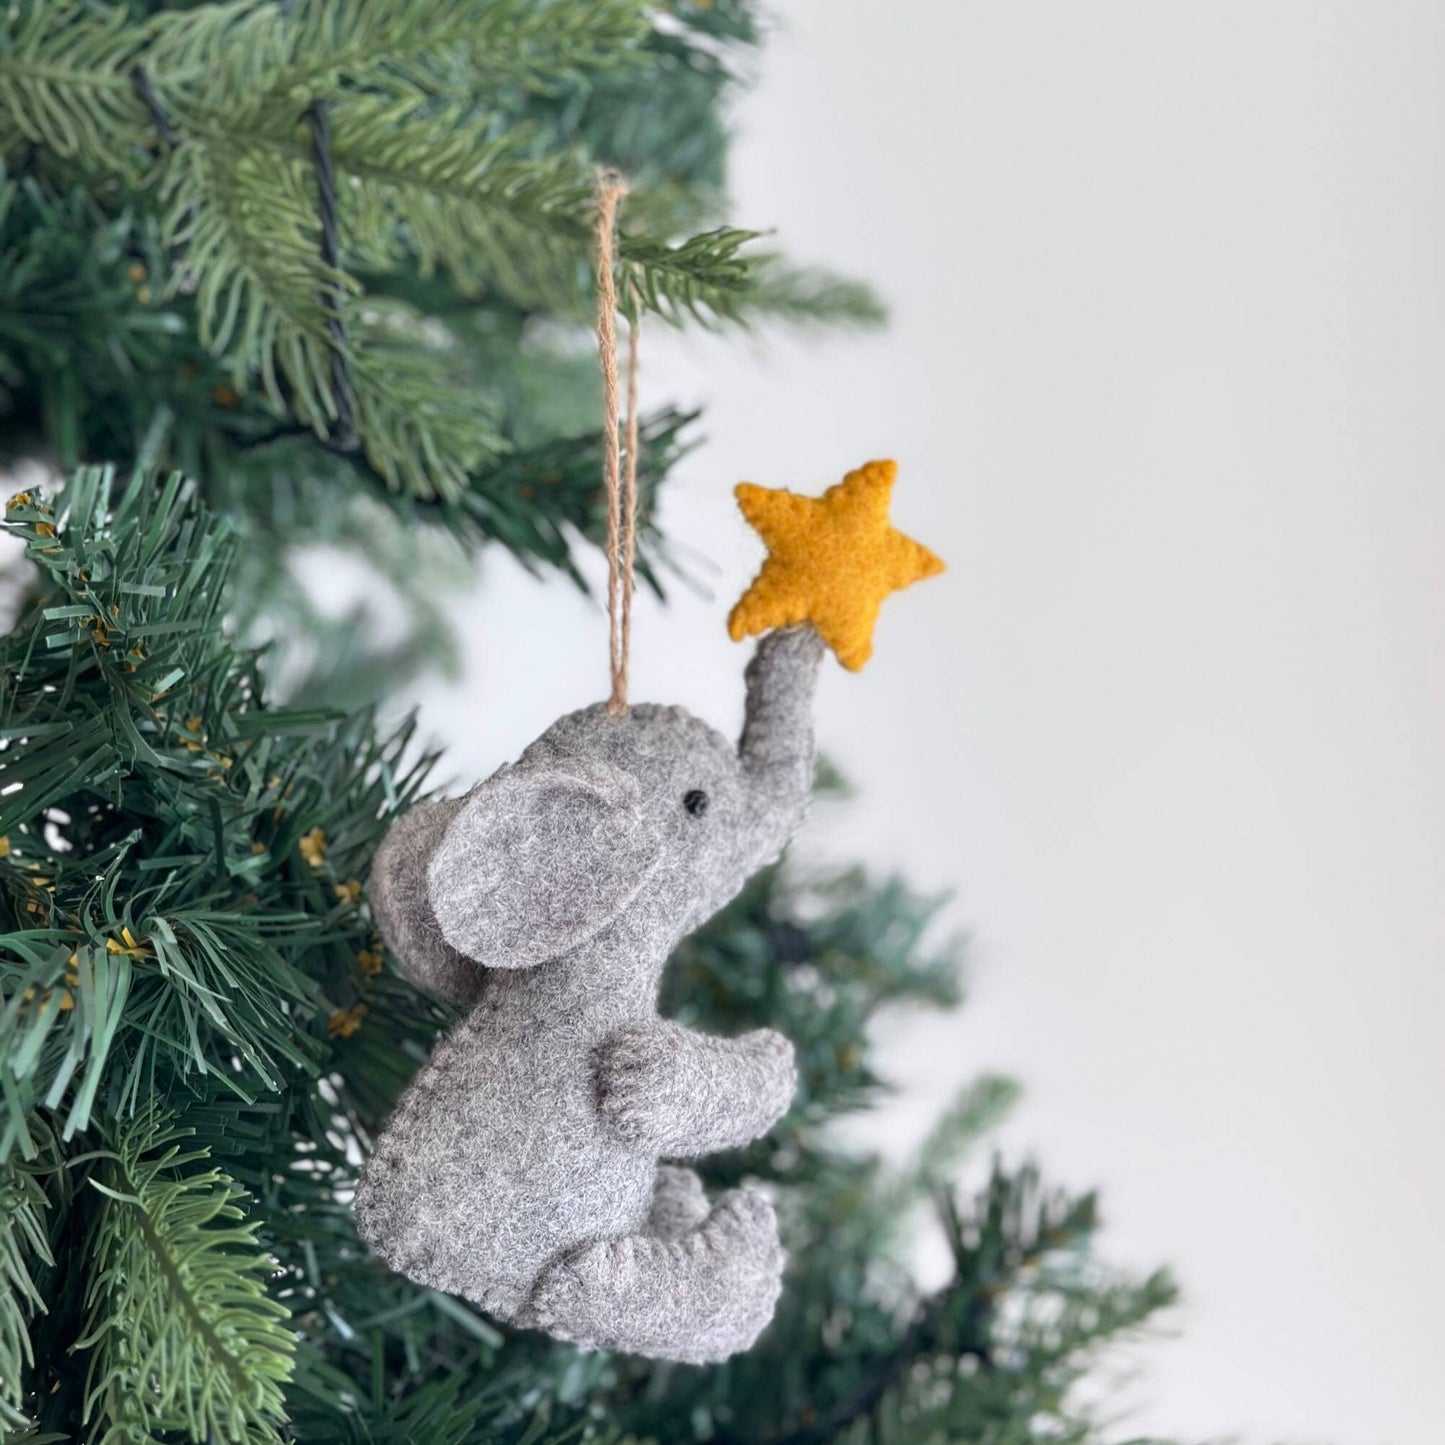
776, 748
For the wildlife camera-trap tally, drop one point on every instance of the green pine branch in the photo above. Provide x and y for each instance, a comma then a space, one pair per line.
24, 1256
428, 46
64, 81
180, 1332
807, 296
428, 180
488, 206
155, 887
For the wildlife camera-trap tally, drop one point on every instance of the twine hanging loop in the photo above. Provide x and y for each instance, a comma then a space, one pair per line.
620, 482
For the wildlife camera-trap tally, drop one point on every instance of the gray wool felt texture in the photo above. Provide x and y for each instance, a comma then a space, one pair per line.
521, 1167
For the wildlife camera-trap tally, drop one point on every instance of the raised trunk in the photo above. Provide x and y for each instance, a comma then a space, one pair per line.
776, 747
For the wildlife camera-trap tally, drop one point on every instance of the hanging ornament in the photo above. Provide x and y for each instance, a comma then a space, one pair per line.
521, 1169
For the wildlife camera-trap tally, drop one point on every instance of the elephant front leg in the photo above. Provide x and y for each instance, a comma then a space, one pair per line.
696, 1299
675, 1093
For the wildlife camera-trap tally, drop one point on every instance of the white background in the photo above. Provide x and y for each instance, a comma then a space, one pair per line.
1165, 381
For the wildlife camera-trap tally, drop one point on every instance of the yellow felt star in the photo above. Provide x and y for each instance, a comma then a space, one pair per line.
831, 561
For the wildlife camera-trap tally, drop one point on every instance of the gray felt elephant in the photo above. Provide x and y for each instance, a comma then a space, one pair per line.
521, 1168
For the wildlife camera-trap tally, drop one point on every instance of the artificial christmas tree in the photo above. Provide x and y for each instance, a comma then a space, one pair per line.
331, 261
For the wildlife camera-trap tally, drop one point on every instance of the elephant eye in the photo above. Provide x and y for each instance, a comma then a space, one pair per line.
695, 802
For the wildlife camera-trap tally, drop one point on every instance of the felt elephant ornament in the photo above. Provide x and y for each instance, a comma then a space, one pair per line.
521, 1169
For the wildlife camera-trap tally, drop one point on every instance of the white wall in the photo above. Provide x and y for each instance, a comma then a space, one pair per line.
1165, 381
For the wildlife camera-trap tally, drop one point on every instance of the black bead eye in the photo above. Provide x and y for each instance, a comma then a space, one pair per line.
695, 802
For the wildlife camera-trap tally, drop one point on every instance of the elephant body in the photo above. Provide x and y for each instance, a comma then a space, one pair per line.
521, 1168
496, 1161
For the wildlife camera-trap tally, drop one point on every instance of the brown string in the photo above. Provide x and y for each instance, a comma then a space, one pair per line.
621, 491
629, 489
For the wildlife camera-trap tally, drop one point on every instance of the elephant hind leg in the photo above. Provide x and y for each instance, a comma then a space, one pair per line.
697, 1299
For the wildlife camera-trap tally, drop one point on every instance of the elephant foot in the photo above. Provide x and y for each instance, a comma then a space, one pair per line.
679, 1203
697, 1297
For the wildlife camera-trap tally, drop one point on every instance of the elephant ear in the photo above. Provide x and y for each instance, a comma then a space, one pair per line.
402, 910
540, 857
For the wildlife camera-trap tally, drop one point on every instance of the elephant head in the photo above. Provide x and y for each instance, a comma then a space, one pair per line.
650, 813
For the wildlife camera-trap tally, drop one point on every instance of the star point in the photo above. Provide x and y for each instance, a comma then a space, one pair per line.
831, 561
